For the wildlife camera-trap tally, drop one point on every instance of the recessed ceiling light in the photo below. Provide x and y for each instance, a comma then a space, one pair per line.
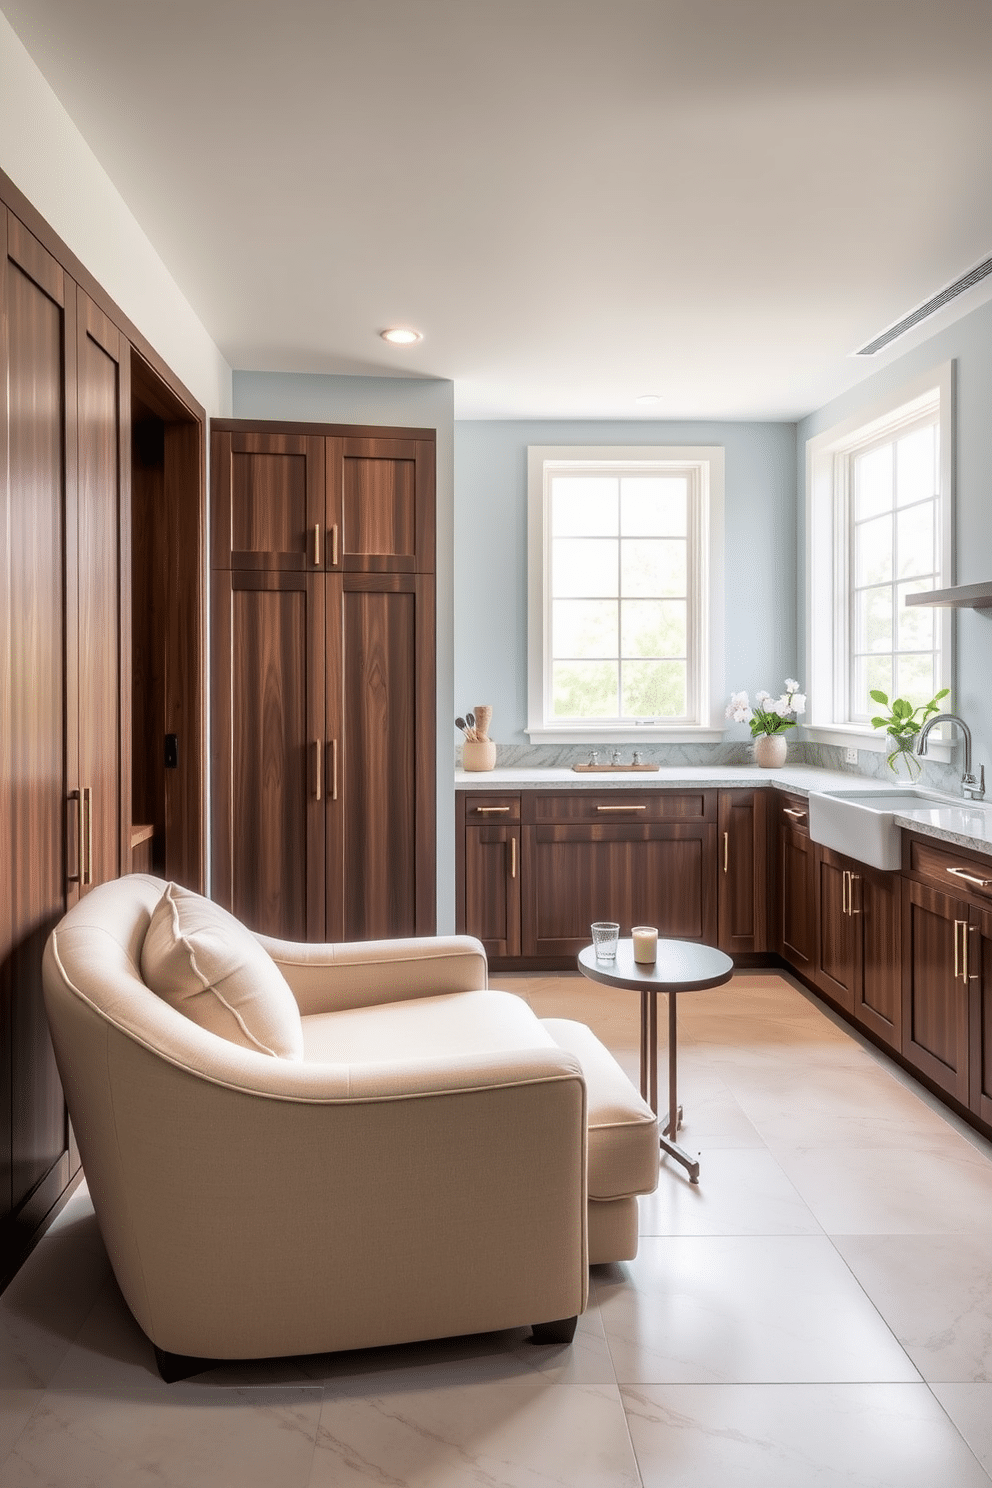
400, 336
648, 400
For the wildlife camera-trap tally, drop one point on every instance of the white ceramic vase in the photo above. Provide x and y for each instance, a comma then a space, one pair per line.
770, 750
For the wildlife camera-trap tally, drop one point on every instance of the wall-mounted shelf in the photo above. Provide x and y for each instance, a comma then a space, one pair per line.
960, 597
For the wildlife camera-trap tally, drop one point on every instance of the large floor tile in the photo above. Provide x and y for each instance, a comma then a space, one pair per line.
935, 1293
744, 1309
796, 1436
227, 1439
970, 1408
47, 1302
740, 1192
516, 1434
934, 1184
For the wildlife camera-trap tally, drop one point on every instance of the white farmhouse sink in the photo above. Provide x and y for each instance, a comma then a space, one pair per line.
861, 824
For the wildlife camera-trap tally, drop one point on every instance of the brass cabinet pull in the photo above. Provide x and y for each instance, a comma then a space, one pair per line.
318, 767
855, 879
490, 810
972, 878
77, 877
513, 857
726, 852
334, 545
622, 808
845, 893
316, 544
970, 976
334, 769
960, 925
86, 818
793, 811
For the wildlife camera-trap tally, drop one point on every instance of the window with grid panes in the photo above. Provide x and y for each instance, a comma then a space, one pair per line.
623, 616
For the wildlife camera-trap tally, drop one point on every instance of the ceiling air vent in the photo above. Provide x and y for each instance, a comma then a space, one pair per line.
973, 276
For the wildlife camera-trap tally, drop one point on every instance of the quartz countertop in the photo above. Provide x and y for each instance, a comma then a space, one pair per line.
953, 819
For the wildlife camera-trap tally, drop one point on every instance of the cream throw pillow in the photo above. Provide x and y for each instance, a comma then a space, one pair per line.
203, 962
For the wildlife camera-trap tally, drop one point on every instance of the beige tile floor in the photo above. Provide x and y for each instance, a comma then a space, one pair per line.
817, 1312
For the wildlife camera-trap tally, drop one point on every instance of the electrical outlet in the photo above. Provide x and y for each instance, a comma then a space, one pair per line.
851, 757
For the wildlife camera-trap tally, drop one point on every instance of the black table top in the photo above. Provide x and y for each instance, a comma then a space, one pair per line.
682, 966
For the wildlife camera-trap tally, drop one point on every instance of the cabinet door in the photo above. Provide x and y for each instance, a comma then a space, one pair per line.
102, 645
37, 538
380, 505
980, 1010
492, 887
268, 502
877, 908
742, 873
837, 929
381, 721
796, 885
935, 991
268, 751
650, 874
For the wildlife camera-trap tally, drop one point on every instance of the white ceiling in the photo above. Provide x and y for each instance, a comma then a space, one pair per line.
576, 201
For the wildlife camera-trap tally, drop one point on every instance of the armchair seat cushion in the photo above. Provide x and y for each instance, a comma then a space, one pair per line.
623, 1130
456, 1025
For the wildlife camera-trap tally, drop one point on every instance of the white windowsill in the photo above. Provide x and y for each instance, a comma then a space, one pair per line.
874, 741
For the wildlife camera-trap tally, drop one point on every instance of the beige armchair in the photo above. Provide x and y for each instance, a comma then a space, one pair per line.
432, 1165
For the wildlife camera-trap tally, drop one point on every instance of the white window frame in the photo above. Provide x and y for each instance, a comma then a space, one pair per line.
706, 688
828, 653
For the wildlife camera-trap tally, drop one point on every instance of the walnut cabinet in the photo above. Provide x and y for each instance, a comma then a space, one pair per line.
323, 679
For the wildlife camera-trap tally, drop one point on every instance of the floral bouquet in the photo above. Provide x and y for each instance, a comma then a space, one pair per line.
769, 715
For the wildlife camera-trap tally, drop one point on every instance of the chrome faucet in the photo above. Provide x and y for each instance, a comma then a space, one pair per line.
971, 787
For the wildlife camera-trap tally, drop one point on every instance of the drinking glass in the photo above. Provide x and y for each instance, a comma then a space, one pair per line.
605, 934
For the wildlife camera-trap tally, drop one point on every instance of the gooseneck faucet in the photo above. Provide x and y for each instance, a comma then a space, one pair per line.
970, 786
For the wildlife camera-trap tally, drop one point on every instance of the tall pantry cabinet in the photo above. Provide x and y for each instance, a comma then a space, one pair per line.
64, 775
323, 690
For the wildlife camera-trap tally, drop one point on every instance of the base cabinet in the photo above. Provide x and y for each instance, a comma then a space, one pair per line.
795, 884
979, 969
858, 921
742, 889
489, 876
936, 987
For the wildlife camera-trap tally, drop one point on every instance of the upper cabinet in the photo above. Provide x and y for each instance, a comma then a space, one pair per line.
337, 500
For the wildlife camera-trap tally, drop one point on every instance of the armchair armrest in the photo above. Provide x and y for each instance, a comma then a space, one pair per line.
352, 974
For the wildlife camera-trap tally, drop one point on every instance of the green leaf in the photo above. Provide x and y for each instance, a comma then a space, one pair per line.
879, 697
902, 709
944, 692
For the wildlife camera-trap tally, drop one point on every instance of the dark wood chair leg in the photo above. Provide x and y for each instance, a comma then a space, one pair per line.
562, 1331
173, 1367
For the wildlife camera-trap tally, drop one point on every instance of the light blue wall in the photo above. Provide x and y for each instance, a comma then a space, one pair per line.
491, 553
968, 343
411, 403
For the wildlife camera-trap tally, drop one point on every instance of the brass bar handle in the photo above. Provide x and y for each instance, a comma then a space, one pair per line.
845, 893
726, 852
622, 808
87, 820
318, 750
970, 976
513, 857
793, 811
958, 925
334, 545
316, 544
334, 769
490, 810
77, 877
855, 879
972, 878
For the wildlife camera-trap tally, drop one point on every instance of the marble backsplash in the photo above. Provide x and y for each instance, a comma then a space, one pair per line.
870, 765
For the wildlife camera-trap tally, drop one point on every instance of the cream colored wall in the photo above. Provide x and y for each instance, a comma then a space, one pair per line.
46, 157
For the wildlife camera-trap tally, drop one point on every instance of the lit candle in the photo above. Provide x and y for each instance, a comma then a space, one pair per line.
645, 938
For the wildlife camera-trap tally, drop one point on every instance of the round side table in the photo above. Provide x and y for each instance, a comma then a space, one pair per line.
682, 966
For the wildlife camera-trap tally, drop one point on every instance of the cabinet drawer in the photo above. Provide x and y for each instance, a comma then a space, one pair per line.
480, 809
793, 811
956, 872
623, 806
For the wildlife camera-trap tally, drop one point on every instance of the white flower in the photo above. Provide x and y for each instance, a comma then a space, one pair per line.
742, 715
791, 685
782, 705
739, 709
763, 698
799, 702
